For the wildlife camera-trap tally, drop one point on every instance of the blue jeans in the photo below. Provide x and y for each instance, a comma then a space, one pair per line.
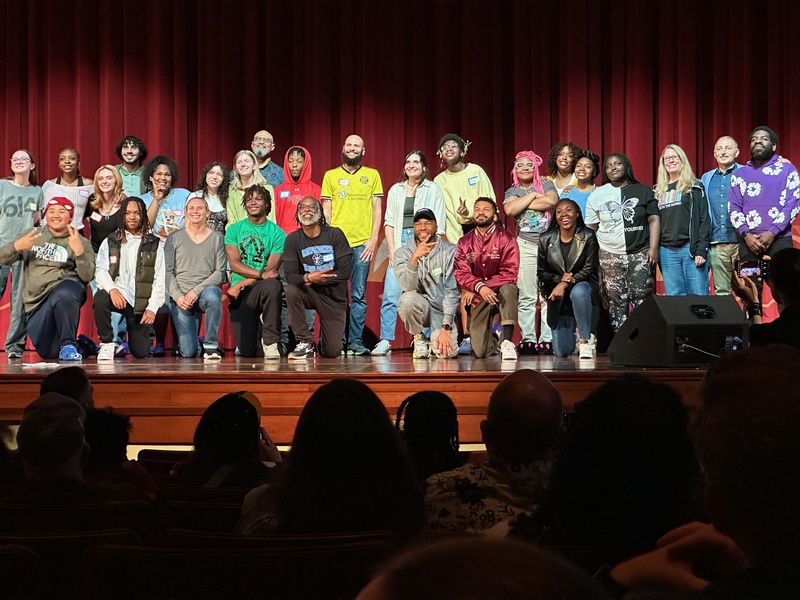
575, 312
16, 334
681, 275
358, 300
187, 322
391, 294
118, 323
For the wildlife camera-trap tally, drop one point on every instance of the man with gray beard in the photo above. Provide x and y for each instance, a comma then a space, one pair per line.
317, 261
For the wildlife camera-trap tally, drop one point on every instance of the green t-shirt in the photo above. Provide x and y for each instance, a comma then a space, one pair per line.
255, 243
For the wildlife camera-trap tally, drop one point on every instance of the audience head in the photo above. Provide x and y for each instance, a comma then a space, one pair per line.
747, 438
228, 431
626, 472
72, 382
131, 150
161, 172
617, 169
347, 468
22, 162
562, 157
524, 416
428, 423
784, 276
107, 433
51, 439
480, 568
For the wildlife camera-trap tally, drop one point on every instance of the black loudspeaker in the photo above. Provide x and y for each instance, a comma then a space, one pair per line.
679, 331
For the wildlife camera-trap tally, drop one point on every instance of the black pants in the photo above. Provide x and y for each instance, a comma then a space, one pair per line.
138, 334
332, 318
255, 316
54, 323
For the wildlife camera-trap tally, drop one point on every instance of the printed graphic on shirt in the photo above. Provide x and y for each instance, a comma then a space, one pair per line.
533, 221
321, 257
669, 199
51, 252
253, 251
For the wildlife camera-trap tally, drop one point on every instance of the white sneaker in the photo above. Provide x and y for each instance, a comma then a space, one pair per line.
271, 352
106, 353
421, 348
508, 351
383, 348
586, 351
593, 341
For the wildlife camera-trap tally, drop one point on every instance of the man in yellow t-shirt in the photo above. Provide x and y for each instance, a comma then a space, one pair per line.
351, 197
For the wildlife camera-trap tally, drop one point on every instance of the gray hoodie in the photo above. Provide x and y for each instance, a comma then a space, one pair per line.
433, 276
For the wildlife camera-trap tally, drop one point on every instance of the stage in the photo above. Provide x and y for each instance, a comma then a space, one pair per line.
166, 396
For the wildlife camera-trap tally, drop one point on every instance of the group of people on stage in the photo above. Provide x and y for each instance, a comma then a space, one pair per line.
290, 248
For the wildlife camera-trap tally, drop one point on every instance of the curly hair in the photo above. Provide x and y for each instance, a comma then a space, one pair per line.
258, 190
224, 187
552, 169
150, 168
132, 140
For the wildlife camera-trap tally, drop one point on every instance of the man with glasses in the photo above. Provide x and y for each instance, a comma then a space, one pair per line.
351, 197
263, 145
317, 261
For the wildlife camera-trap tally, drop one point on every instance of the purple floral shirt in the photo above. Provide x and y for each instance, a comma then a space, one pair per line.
764, 198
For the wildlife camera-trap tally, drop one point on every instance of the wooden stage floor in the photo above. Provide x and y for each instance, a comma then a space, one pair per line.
166, 396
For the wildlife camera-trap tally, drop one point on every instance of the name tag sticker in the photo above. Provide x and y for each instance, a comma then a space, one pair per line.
84, 193
327, 258
285, 194
112, 260
344, 182
177, 213
32, 207
473, 180
436, 272
96, 216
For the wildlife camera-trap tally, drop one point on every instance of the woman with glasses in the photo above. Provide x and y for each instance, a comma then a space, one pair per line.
685, 225
530, 201
21, 205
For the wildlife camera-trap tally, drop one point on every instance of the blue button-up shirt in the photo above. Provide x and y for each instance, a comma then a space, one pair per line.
722, 231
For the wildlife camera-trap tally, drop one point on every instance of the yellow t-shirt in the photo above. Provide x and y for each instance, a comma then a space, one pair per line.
351, 201
470, 184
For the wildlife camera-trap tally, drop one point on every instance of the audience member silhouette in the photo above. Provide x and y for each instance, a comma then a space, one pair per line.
72, 382
428, 423
347, 470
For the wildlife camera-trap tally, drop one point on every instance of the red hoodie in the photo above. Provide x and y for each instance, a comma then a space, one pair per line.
290, 192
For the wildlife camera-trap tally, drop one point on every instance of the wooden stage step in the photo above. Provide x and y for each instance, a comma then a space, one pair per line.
166, 396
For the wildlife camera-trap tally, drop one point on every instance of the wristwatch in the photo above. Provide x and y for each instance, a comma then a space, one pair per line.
447, 327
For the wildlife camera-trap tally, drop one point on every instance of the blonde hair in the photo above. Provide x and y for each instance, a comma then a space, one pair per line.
685, 178
192, 197
117, 194
258, 178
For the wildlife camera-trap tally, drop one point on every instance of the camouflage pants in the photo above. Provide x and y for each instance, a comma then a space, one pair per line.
625, 281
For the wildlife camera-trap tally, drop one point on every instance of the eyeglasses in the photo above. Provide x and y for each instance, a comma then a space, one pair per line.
265, 140
671, 159
449, 147
20, 161
522, 165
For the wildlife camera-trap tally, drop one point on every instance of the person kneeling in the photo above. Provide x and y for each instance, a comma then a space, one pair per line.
195, 269
57, 265
130, 280
317, 261
424, 270
567, 270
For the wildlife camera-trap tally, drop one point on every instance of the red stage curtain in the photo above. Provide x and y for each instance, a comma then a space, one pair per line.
196, 78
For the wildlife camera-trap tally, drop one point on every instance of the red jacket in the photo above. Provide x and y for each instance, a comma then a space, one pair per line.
492, 260
290, 192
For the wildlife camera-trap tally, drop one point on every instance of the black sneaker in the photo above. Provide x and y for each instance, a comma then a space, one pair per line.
212, 354
303, 351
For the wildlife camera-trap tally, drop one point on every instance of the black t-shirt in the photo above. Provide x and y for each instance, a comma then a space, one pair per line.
329, 250
101, 226
674, 209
